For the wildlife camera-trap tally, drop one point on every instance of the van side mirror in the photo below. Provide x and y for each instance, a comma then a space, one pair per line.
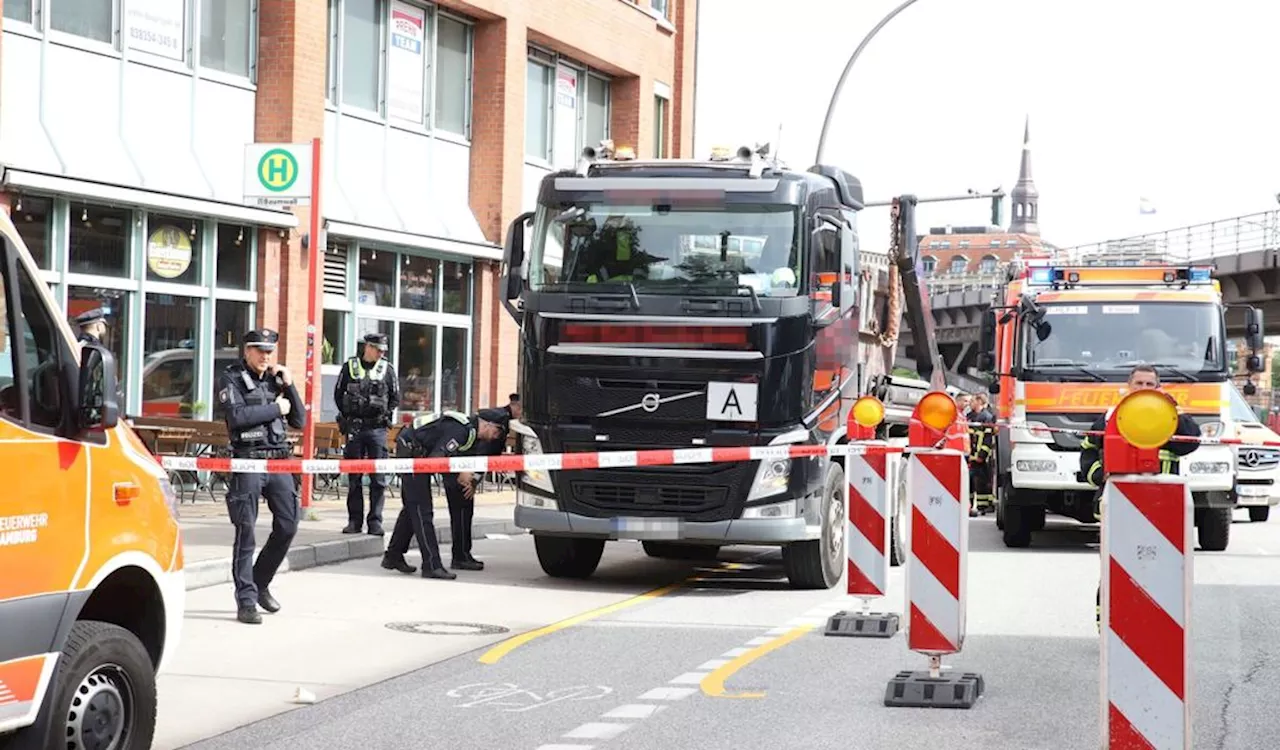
98, 408
1253, 329
512, 261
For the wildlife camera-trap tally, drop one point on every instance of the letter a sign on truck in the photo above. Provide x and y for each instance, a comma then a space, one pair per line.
277, 174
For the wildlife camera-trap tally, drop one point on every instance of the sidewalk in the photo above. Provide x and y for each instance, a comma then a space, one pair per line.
207, 533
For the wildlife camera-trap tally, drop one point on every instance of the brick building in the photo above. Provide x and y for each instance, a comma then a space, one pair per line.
122, 136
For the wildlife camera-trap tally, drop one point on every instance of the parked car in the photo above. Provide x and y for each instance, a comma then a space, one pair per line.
169, 378
1257, 467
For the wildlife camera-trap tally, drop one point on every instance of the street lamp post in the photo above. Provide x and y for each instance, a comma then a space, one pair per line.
835, 95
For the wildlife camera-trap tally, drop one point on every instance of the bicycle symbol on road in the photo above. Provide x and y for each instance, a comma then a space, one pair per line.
512, 698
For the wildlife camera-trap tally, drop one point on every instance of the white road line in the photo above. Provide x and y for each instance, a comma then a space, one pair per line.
633, 711
668, 694
689, 678
714, 664
566, 747
734, 653
597, 730
780, 630
759, 641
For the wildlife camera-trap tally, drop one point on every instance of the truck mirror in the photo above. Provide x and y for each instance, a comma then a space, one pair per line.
986, 362
513, 256
1254, 330
987, 338
97, 403
1254, 363
1249, 388
993, 387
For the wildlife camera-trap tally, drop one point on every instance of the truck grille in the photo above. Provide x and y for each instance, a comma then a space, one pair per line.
1257, 459
632, 500
701, 492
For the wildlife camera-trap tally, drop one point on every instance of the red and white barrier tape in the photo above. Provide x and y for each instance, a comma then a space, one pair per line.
1099, 433
533, 462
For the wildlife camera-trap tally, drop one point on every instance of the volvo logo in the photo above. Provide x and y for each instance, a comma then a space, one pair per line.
651, 402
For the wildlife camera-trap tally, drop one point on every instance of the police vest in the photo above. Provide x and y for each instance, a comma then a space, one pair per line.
271, 434
406, 442
367, 393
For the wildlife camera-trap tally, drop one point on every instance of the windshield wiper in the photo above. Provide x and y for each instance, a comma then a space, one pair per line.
1076, 366
1186, 376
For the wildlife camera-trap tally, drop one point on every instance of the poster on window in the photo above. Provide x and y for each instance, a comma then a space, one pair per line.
157, 27
406, 64
564, 140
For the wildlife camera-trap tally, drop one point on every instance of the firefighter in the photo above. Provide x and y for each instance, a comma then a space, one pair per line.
981, 449
1092, 466
367, 394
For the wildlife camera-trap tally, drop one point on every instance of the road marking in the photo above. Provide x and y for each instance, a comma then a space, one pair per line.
514, 699
493, 655
668, 694
760, 641
597, 730
736, 651
713, 664
713, 685
689, 678
566, 747
633, 711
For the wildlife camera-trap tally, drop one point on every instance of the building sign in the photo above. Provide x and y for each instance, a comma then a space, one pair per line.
565, 150
406, 65
277, 174
157, 27
168, 252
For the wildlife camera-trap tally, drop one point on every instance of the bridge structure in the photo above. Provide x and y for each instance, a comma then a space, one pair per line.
1244, 252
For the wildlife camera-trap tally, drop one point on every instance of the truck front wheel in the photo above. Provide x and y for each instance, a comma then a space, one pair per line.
1213, 528
568, 557
1018, 521
1259, 514
818, 564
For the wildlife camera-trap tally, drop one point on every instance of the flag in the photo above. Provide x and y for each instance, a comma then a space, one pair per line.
1145, 206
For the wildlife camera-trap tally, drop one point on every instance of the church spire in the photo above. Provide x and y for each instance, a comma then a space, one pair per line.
1025, 197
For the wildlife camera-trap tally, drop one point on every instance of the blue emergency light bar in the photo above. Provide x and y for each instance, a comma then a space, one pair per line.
1119, 275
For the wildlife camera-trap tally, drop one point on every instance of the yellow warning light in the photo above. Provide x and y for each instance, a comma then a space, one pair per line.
624, 153
720, 153
868, 411
1147, 418
937, 410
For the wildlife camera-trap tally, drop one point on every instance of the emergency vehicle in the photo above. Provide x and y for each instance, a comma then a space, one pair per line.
1061, 341
91, 582
700, 303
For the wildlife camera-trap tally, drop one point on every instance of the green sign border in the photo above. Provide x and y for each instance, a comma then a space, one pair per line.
278, 152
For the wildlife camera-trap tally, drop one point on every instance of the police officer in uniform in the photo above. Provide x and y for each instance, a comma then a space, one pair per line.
92, 325
512, 410
461, 496
258, 396
981, 447
430, 436
367, 394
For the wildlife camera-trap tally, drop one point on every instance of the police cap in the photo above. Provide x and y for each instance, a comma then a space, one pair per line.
378, 340
496, 416
91, 316
262, 338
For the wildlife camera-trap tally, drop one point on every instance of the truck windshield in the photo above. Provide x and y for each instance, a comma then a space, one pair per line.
1185, 340
668, 249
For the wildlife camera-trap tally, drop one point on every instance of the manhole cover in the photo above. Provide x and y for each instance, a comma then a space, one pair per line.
447, 628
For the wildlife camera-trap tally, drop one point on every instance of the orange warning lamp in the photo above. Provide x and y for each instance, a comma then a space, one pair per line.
1139, 427
932, 420
865, 416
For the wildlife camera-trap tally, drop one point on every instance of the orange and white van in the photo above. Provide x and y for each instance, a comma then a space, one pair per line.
91, 582
1062, 341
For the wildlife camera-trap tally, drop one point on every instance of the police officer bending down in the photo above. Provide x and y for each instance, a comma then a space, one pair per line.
93, 324
257, 396
367, 394
431, 436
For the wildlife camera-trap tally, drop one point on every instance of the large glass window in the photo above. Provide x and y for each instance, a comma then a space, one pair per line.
453, 369
231, 320
334, 347
33, 217
418, 283
115, 304
457, 287
173, 249
18, 10
225, 36
596, 123
44, 352
91, 19
537, 111
453, 76
660, 106
416, 365
169, 346
377, 278
1182, 340
235, 256
99, 240
366, 326
361, 48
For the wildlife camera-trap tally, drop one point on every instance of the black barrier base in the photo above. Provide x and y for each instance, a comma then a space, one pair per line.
863, 624
920, 690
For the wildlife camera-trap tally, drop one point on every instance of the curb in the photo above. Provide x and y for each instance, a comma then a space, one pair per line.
207, 573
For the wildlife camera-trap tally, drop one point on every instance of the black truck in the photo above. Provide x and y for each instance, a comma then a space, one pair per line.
695, 304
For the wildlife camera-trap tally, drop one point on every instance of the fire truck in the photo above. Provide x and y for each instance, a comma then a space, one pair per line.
703, 303
1061, 341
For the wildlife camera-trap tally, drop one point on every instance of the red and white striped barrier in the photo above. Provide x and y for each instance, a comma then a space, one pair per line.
1146, 612
938, 485
867, 530
540, 461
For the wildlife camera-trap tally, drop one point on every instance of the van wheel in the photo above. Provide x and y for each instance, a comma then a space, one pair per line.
1213, 528
1017, 526
1258, 515
674, 551
568, 557
818, 564
102, 695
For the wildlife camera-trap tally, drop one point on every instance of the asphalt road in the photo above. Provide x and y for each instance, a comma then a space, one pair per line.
732, 658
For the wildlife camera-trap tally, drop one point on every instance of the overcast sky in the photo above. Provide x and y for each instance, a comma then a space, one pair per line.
1168, 101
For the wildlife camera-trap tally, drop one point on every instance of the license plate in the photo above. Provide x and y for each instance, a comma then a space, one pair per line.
1256, 490
647, 528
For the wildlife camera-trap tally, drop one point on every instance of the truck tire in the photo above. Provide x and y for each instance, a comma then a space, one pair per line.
1259, 515
676, 551
818, 564
1213, 528
1004, 488
568, 557
1036, 515
105, 673
1017, 525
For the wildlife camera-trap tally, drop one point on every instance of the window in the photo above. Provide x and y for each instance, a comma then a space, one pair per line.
457, 287
33, 218
659, 127
661, 7
418, 283
91, 19
417, 366
959, 263
453, 369
334, 346
115, 304
169, 346
377, 278
596, 122
225, 36
235, 256
230, 322
537, 111
988, 264
99, 240
361, 52
173, 249
453, 75
928, 264
18, 10
41, 348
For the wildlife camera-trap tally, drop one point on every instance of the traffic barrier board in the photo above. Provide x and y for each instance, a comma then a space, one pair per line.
867, 543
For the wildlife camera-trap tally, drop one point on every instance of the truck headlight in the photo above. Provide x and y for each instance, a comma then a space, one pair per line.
1209, 467
540, 479
772, 477
1033, 432
1211, 429
785, 509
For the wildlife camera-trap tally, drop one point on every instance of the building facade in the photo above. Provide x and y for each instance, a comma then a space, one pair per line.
123, 127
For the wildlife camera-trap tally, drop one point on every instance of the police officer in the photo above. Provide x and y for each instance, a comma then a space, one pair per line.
1092, 471
257, 397
430, 436
512, 410
981, 444
367, 394
461, 496
93, 325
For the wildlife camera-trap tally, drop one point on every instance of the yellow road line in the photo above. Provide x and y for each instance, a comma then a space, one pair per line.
713, 684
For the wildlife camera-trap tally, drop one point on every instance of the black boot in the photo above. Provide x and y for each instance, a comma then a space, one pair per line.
440, 573
352, 528
267, 601
375, 529
471, 564
248, 614
397, 562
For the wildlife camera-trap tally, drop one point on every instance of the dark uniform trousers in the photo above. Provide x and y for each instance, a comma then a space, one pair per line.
462, 510
367, 443
416, 521
281, 493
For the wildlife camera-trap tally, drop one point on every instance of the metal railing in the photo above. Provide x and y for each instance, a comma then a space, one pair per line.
1199, 243
965, 282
